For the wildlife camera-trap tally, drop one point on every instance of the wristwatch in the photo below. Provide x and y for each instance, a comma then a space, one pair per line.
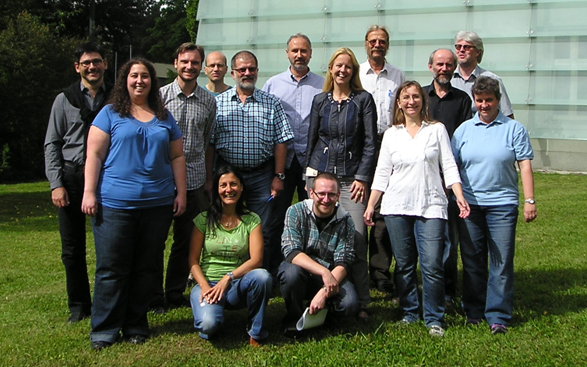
530, 201
280, 176
230, 275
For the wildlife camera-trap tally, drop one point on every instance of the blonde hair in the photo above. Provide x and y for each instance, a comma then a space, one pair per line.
355, 79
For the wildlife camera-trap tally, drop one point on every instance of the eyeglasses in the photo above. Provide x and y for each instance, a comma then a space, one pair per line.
322, 195
374, 42
464, 47
96, 62
251, 69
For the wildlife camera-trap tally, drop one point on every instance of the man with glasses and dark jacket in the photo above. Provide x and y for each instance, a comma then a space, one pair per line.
65, 153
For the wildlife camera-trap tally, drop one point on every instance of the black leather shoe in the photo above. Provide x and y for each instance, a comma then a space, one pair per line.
384, 286
100, 344
77, 316
136, 339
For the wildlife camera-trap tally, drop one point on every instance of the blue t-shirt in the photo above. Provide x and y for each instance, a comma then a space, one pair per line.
486, 155
137, 171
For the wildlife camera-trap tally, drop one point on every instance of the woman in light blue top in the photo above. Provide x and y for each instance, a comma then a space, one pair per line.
135, 183
486, 149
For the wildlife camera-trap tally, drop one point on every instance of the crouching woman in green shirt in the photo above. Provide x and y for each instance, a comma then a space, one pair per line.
225, 259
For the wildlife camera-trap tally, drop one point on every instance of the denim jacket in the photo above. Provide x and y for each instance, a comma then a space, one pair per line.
342, 136
332, 247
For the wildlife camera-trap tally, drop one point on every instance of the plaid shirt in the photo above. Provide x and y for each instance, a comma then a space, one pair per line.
195, 118
332, 247
245, 135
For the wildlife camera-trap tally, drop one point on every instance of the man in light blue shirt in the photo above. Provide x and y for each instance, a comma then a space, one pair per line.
296, 88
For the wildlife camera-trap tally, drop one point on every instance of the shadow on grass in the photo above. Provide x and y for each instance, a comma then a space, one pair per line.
28, 210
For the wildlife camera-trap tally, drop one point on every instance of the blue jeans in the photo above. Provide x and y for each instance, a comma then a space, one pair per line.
489, 229
257, 192
128, 245
298, 285
251, 291
412, 237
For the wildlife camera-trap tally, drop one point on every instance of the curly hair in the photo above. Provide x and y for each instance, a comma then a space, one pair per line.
120, 99
214, 212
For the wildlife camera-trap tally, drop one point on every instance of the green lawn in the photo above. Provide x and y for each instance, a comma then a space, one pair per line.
549, 328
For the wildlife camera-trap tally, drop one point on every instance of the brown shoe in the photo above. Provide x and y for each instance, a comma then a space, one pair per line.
254, 343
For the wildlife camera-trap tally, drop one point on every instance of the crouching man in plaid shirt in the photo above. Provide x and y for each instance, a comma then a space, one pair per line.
318, 247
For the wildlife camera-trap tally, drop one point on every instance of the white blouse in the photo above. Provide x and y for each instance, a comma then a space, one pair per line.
408, 171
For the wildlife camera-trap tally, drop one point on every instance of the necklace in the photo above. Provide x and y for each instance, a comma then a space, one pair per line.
229, 222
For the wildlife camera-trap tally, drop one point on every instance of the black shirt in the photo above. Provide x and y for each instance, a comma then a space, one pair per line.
452, 110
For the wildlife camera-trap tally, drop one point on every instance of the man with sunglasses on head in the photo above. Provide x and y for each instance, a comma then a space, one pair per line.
251, 134
65, 154
381, 79
469, 51
318, 247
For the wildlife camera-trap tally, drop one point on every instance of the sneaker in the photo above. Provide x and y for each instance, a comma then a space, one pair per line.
436, 331
405, 321
498, 329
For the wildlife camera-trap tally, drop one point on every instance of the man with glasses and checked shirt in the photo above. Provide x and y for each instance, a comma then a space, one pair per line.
318, 247
469, 51
381, 79
65, 155
251, 134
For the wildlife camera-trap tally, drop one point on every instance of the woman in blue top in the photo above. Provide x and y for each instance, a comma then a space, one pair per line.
342, 141
135, 183
486, 149
225, 259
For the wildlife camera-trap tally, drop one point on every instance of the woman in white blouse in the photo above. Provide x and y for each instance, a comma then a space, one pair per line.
414, 203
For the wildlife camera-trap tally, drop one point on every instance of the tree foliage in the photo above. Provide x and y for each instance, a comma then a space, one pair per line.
169, 30
34, 66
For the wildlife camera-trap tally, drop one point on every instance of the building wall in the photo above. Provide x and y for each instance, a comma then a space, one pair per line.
538, 48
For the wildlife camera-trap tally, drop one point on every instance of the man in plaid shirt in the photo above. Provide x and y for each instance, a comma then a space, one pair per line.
195, 111
318, 246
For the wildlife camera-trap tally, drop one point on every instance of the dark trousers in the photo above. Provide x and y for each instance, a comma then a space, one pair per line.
293, 182
450, 256
178, 267
72, 228
380, 254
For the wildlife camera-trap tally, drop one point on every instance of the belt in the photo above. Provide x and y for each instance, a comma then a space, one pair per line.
260, 167
74, 166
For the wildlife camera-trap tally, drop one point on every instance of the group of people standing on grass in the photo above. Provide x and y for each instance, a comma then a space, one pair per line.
425, 167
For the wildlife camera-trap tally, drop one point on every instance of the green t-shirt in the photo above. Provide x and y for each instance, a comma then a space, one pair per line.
225, 250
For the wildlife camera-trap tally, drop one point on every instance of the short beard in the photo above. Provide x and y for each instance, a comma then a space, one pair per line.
299, 67
246, 85
444, 81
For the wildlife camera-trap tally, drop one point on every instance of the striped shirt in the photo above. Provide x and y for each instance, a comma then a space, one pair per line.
195, 116
245, 135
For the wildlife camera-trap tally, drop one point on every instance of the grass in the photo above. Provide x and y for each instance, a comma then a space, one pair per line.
549, 325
